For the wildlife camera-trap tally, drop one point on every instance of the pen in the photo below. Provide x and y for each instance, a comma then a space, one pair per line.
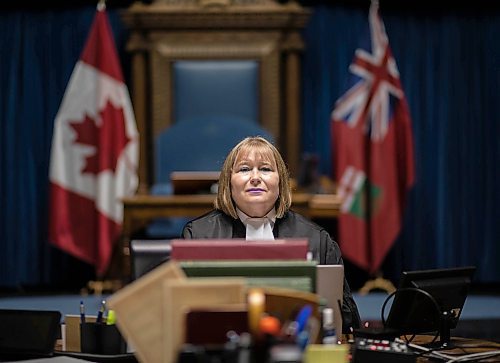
82, 312
101, 311
303, 317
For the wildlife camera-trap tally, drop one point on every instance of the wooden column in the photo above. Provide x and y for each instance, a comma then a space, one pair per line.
292, 123
139, 99
292, 48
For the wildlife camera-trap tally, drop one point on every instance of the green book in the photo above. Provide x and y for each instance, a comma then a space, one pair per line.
292, 274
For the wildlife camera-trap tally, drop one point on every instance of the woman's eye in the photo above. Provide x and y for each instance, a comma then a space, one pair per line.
266, 169
244, 169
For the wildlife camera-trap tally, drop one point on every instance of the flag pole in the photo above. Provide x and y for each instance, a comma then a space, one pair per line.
367, 159
377, 281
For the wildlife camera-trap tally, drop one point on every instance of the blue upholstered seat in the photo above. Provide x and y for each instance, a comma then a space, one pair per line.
200, 145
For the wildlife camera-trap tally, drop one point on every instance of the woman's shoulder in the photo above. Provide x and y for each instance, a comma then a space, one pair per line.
209, 217
214, 224
298, 219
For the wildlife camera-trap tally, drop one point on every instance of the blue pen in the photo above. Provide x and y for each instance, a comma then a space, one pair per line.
82, 312
101, 311
303, 317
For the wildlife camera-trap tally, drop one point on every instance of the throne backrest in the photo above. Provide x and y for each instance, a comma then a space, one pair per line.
215, 105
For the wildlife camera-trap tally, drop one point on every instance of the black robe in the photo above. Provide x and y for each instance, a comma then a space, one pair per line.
325, 250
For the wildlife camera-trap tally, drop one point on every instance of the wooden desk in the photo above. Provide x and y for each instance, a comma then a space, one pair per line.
462, 346
140, 209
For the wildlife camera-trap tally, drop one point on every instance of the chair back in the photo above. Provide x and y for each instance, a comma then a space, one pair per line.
215, 106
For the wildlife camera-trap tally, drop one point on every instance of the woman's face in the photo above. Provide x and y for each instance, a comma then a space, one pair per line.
254, 184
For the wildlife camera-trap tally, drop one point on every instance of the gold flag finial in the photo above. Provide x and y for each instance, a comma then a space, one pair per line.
101, 5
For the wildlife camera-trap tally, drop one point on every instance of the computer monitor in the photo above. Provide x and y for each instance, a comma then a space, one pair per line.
28, 334
330, 286
430, 301
148, 254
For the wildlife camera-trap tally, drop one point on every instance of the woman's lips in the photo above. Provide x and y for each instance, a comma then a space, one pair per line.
255, 190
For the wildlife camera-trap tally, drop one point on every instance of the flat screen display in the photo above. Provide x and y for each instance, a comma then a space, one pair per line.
430, 300
27, 333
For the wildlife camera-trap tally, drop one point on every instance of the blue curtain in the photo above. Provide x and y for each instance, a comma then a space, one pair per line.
450, 71
38, 51
449, 65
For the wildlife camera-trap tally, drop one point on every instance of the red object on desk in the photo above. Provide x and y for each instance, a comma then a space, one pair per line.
211, 325
239, 249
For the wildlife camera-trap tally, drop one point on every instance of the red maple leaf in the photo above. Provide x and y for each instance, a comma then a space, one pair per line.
109, 139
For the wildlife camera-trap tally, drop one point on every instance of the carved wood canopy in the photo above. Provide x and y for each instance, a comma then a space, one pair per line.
166, 31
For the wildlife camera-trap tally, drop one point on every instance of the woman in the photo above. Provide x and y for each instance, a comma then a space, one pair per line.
253, 202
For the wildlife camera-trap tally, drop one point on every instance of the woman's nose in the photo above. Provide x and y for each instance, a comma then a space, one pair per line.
255, 175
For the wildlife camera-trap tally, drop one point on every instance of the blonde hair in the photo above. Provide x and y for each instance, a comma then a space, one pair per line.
267, 151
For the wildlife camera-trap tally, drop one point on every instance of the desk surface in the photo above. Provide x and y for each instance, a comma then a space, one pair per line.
464, 346
460, 348
87, 357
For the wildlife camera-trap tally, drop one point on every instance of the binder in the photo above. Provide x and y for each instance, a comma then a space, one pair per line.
239, 249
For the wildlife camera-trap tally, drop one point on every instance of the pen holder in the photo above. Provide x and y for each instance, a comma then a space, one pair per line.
98, 338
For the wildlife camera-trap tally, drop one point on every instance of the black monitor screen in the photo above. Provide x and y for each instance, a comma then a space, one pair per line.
147, 255
430, 300
28, 333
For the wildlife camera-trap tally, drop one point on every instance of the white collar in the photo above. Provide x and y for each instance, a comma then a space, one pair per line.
258, 228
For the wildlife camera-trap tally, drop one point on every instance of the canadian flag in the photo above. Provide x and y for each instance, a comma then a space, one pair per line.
94, 153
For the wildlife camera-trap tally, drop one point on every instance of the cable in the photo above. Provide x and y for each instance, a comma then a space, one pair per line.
476, 345
414, 289
409, 340
450, 359
474, 356
431, 352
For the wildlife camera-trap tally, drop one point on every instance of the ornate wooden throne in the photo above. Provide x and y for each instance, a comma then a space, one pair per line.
166, 34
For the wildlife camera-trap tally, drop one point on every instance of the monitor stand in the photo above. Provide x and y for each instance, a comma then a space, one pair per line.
444, 341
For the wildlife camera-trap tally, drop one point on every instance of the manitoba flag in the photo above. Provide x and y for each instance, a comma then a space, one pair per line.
373, 152
94, 153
